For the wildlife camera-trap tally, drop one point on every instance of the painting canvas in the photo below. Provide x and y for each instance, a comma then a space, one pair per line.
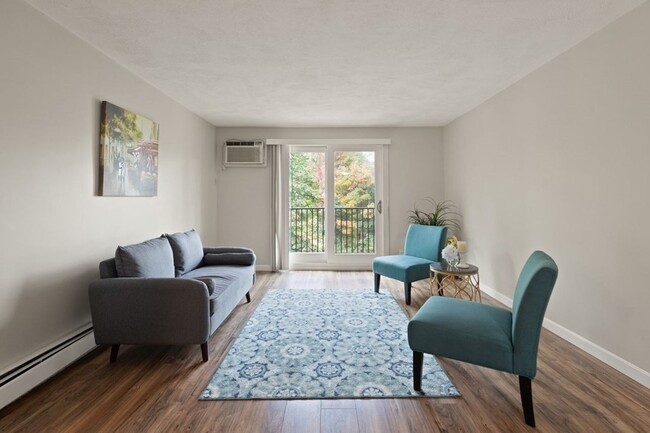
128, 153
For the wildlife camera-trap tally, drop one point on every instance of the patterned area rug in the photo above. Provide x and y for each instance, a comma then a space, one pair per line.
302, 344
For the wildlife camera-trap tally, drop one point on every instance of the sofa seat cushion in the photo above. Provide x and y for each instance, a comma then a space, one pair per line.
215, 290
219, 279
149, 259
188, 251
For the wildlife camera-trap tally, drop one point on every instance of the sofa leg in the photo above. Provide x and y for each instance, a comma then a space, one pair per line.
377, 278
407, 293
114, 349
248, 297
204, 351
418, 360
526, 391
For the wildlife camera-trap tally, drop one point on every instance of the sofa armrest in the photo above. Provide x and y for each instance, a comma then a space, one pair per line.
108, 268
149, 311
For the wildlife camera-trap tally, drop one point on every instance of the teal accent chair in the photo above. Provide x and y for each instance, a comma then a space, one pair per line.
422, 247
489, 336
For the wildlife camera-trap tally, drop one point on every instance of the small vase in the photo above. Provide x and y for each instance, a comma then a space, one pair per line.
453, 263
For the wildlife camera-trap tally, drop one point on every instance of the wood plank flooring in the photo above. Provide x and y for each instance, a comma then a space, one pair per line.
156, 389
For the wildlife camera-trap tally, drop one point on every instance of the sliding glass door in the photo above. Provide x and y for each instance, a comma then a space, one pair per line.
335, 206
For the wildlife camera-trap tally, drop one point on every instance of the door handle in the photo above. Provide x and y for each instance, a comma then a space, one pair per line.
379, 206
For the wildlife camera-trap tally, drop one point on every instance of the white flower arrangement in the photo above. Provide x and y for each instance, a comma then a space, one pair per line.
450, 254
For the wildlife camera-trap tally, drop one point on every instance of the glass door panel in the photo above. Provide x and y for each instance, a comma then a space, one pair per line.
307, 195
354, 202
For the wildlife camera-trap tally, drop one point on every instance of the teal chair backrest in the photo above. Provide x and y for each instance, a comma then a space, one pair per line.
533, 291
425, 242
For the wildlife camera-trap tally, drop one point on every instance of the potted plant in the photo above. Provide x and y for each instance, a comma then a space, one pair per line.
443, 214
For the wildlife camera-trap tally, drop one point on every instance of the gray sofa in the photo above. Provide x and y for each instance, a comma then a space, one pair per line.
168, 291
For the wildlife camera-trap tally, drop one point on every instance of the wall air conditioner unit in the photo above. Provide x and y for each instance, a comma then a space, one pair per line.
244, 153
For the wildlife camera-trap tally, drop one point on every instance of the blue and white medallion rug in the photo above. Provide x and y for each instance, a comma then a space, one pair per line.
302, 344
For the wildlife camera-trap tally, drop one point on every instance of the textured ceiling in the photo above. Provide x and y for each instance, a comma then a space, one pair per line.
332, 62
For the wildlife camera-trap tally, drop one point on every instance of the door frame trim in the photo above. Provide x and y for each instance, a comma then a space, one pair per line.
326, 141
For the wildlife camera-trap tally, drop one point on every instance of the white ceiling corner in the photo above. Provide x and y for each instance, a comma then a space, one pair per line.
332, 63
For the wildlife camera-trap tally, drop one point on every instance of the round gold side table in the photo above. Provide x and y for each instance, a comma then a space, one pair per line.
456, 282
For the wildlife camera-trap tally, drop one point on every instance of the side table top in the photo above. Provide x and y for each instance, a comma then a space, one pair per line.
444, 268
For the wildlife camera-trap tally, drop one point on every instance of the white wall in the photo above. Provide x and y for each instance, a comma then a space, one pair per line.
244, 210
559, 162
53, 226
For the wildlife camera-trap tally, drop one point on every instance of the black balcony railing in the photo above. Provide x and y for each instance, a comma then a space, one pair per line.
354, 230
307, 229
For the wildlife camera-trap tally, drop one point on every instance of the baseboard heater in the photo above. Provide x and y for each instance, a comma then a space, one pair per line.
33, 371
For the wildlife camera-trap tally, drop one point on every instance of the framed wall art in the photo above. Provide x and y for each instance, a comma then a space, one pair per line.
128, 153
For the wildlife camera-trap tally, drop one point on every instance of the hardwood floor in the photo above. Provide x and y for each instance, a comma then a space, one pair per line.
156, 389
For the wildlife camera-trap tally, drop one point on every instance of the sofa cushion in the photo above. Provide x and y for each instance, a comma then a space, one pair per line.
148, 259
188, 251
236, 259
210, 283
219, 277
214, 291
226, 284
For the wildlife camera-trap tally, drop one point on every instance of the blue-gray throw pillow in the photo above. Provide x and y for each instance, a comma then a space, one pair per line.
148, 259
238, 259
188, 251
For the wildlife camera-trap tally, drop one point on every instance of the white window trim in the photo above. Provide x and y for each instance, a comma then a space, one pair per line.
326, 141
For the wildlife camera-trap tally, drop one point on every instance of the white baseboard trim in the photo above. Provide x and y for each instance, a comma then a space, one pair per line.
609, 358
329, 267
318, 267
42, 371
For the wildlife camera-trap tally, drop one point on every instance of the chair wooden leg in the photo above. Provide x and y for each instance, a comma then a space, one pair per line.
377, 278
526, 391
204, 351
114, 349
248, 297
407, 293
418, 360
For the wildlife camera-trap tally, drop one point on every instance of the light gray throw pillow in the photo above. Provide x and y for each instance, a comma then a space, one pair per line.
148, 259
188, 251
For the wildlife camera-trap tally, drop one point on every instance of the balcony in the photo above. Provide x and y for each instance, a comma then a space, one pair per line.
354, 230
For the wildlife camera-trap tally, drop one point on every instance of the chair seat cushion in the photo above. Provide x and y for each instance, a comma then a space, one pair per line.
463, 330
402, 268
